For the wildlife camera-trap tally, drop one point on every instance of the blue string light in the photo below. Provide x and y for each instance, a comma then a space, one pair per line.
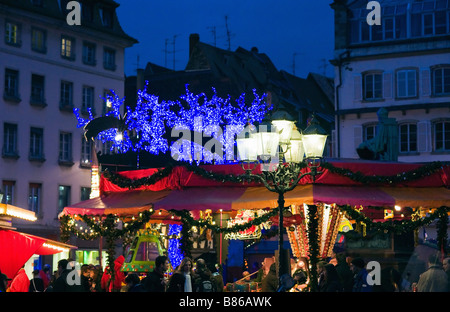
215, 117
174, 250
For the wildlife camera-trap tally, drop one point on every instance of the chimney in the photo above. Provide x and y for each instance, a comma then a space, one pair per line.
340, 24
140, 84
193, 40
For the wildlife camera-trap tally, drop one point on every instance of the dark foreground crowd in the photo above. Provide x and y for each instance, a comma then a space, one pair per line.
340, 274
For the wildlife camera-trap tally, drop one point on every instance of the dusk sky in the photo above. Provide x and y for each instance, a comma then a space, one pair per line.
278, 28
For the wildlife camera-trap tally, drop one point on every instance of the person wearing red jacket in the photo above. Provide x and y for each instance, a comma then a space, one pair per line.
119, 276
20, 282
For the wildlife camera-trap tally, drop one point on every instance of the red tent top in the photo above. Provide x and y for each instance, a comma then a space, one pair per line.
16, 248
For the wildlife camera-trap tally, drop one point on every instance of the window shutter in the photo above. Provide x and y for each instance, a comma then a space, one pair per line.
357, 85
423, 136
357, 136
426, 82
387, 85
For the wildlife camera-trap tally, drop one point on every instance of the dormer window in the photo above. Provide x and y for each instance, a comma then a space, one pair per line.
106, 15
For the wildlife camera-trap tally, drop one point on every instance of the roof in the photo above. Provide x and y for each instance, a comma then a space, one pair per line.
51, 9
232, 73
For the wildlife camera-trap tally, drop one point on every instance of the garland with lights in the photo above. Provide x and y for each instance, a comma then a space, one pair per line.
415, 174
408, 176
190, 221
313, 235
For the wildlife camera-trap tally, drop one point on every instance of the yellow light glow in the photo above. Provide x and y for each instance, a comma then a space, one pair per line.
397, 208
59, 248
95, 182
17, 212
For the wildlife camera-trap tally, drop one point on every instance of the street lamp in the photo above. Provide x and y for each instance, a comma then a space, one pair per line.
293, 148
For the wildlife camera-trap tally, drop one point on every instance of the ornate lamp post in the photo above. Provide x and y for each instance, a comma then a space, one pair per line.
291, 146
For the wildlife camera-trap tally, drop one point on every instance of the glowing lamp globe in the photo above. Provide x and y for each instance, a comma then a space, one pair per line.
295, 151
247, 149
284, 129
266, 143
314, 139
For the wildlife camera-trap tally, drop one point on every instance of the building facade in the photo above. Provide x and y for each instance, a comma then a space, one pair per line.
48, 68
402, 65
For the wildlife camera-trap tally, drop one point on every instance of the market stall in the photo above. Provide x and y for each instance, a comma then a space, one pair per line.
17, 248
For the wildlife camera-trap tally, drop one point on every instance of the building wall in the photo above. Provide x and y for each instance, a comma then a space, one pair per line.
50, 173
354, 112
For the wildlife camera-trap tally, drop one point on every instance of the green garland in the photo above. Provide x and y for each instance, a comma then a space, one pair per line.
190, 221
124, 182
442, 225
313, 236
394, 226
423, 171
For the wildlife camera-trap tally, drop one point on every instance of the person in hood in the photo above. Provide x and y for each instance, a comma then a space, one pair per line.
119, 277
20, 282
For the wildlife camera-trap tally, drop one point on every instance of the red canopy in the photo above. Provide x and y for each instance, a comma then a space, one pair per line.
16, 248
183, 189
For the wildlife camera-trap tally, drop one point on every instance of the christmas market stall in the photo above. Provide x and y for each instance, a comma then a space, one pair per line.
385, 197
16, 248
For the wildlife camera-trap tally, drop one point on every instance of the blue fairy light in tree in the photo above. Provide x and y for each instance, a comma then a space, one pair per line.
174, 250
194, 117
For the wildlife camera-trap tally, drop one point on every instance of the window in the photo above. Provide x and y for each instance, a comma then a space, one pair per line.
36, 144
34, 197
10, 141
369, 131
65, 148
63, 197
85, 193
441, 81
107, 15
11, 91
66, 101
9, 192
88, 99
12, 33
408, 137
441, 136
37, 90
38, 40
87, 12
89, 53
388, 28
406, 83
109, 59
68, 47
426, 20
86, 154
107, 103
372, 86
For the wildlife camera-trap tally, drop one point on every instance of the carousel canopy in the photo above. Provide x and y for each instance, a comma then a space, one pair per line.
342, 183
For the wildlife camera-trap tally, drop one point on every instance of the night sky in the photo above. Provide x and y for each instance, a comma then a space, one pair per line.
278, 28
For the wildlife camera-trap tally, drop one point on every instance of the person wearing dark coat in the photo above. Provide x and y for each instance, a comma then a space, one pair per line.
331, 281
344, 273
155, 280
36, 283
270, 281
134, 283
62, 282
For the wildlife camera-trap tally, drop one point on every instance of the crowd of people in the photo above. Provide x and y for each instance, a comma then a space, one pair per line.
339, 274
345, 274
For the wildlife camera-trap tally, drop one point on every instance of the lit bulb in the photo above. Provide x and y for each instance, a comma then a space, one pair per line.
118, 137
